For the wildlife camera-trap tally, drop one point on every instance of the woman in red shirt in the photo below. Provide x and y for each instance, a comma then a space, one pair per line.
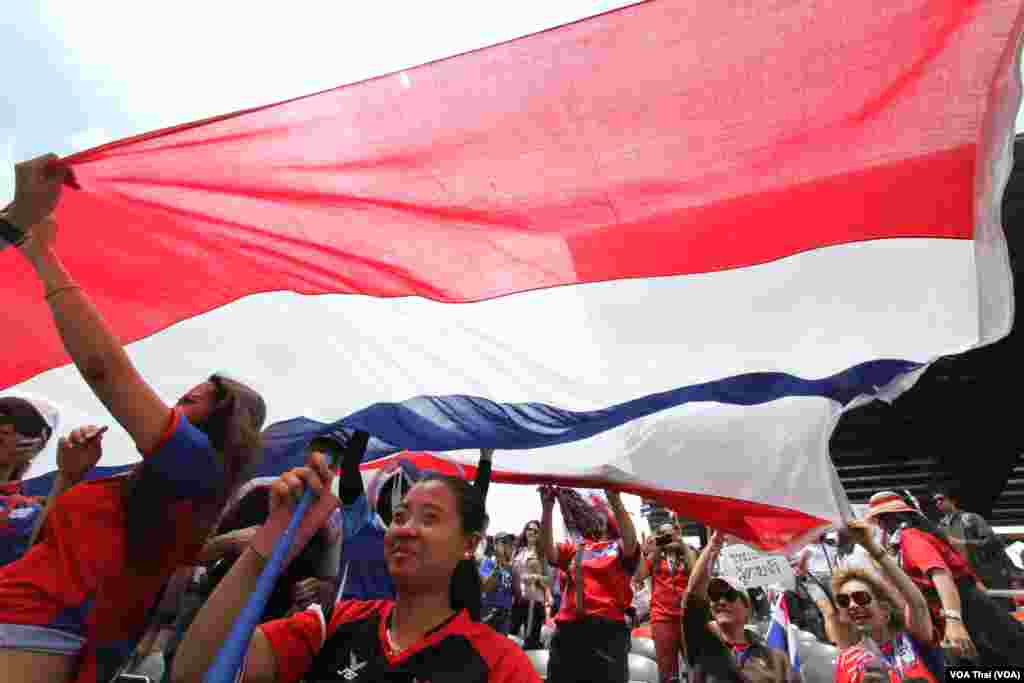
591, 640
429, 632
972, 624
73, 606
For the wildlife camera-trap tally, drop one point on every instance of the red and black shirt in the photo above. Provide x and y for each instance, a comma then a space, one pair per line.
354, 648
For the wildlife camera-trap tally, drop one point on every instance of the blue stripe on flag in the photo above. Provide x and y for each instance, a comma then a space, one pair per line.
445, 423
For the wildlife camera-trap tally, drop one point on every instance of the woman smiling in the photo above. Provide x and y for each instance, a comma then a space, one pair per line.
897, 640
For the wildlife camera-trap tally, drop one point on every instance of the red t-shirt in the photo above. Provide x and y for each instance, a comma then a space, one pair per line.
607, 580
354, 647
668, 587
76, 580
907, 658
921, 552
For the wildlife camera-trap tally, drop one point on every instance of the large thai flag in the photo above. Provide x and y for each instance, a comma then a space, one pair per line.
663, 248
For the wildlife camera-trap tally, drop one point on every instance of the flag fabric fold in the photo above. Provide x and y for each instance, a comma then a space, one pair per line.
660, 249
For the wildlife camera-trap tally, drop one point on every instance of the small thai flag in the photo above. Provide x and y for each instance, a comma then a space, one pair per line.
782, 634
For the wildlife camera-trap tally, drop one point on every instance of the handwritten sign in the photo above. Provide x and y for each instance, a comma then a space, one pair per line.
754, 568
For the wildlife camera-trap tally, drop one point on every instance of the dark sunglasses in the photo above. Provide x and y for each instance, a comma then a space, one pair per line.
862, 598
730, 595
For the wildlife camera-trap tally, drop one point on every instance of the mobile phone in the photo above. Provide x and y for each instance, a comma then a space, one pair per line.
663, 540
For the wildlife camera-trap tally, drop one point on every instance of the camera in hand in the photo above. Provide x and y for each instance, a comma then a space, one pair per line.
663, 540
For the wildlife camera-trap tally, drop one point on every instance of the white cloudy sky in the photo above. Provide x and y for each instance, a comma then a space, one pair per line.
81, 74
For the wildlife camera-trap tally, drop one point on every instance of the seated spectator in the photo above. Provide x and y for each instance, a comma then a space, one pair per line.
430, 632
667, 563
718, 645
73, 607
591, 640
886, 636
498, 580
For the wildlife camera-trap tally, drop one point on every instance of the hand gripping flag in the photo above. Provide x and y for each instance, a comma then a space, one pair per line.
661, 249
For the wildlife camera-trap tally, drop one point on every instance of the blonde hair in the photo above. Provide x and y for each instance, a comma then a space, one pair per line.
882, 591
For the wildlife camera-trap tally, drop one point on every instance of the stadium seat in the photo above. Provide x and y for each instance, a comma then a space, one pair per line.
817, 659
642, 669
643, 647
539, 660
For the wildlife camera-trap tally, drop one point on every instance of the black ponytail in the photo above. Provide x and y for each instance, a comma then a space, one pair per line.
466, 589
465, 586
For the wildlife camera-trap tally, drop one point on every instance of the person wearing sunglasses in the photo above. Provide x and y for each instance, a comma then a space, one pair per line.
973, 625
884, 626
718, 646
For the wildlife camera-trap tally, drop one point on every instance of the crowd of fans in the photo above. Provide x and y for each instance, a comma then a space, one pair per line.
143, 574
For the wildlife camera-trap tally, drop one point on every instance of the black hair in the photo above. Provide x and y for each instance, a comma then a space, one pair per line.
521, 539
385, 493
234, 432
947, 491
465, 588
253, 510
914, 520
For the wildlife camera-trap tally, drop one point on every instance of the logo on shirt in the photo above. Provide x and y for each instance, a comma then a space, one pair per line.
599, 553
351, 672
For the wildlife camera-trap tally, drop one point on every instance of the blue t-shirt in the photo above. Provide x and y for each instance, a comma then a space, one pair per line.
18, 515
364, 571
502, 596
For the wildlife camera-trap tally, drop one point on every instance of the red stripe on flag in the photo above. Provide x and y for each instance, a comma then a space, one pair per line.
768, 526
651, 141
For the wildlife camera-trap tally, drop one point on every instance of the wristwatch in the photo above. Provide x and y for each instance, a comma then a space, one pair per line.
951, 614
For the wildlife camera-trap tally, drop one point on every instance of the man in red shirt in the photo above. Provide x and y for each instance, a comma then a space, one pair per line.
667, 562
